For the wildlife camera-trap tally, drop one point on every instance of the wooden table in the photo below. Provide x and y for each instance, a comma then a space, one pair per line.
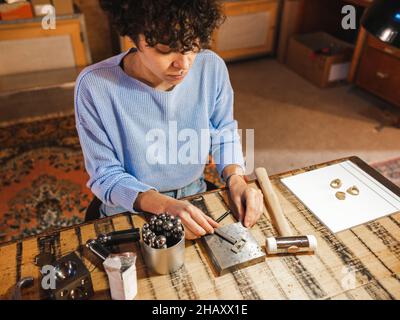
359, 263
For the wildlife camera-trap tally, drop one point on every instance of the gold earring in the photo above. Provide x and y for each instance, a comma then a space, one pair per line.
353, 191
340, 195
337, 183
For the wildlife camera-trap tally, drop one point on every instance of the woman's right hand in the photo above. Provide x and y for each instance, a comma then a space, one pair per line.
195, 221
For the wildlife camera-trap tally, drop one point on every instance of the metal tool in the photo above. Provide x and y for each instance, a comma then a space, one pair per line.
101, 246
232, 247
43, 259
73, 281
286, 242
200, 203
21, 284
119, 237
98, 249
223, 216
237, 244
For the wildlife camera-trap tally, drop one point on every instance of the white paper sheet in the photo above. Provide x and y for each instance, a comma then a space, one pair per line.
314, 191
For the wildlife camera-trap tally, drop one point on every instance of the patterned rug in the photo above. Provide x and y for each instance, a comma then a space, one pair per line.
42, 177
390, 169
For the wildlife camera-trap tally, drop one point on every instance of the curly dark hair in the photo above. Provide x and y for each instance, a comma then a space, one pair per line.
181, 24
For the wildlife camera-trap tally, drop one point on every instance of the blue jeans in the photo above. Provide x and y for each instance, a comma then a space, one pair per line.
195, 187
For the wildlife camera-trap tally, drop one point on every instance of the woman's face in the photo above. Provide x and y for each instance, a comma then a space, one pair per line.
163, 66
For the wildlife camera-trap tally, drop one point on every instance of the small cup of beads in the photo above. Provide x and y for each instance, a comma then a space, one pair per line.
163, 243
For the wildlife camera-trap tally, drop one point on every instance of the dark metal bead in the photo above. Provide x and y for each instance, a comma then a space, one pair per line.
158, 225
168, 226
177, 221
177, 229
162, 216
152, 240
178, 235
146, 226
168, 234
146, 240
160, 241
152, 219
146, 233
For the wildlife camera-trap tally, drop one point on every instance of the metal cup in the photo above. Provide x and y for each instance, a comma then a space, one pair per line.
164, 261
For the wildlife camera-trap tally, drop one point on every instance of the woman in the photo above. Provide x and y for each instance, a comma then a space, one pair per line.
140, 112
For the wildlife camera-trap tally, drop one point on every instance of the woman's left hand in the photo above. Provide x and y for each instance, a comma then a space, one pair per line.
246, 202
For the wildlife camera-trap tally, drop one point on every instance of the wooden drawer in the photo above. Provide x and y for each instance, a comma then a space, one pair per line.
379, 73
381, 46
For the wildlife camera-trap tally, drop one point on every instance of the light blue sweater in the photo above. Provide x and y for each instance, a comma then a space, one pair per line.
122, 124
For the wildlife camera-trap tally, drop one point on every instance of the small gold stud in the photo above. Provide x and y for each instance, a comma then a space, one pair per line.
337, 183
340, 195
353, 191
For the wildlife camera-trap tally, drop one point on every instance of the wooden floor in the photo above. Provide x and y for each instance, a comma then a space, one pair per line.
40, 80
359, 263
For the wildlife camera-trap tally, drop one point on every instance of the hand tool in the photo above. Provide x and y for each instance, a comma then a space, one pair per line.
21, 284
119, 237
232, 247
98, 249
286, 242
237, 243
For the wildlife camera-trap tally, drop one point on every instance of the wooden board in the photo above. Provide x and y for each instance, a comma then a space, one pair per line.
360, 263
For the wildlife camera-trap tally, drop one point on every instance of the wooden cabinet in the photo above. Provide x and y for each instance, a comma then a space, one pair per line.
378, 69
25, 46
249, 29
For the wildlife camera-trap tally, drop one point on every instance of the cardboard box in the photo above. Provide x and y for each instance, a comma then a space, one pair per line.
39, 7
63, 7
320, 58
15, 11
40, 2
